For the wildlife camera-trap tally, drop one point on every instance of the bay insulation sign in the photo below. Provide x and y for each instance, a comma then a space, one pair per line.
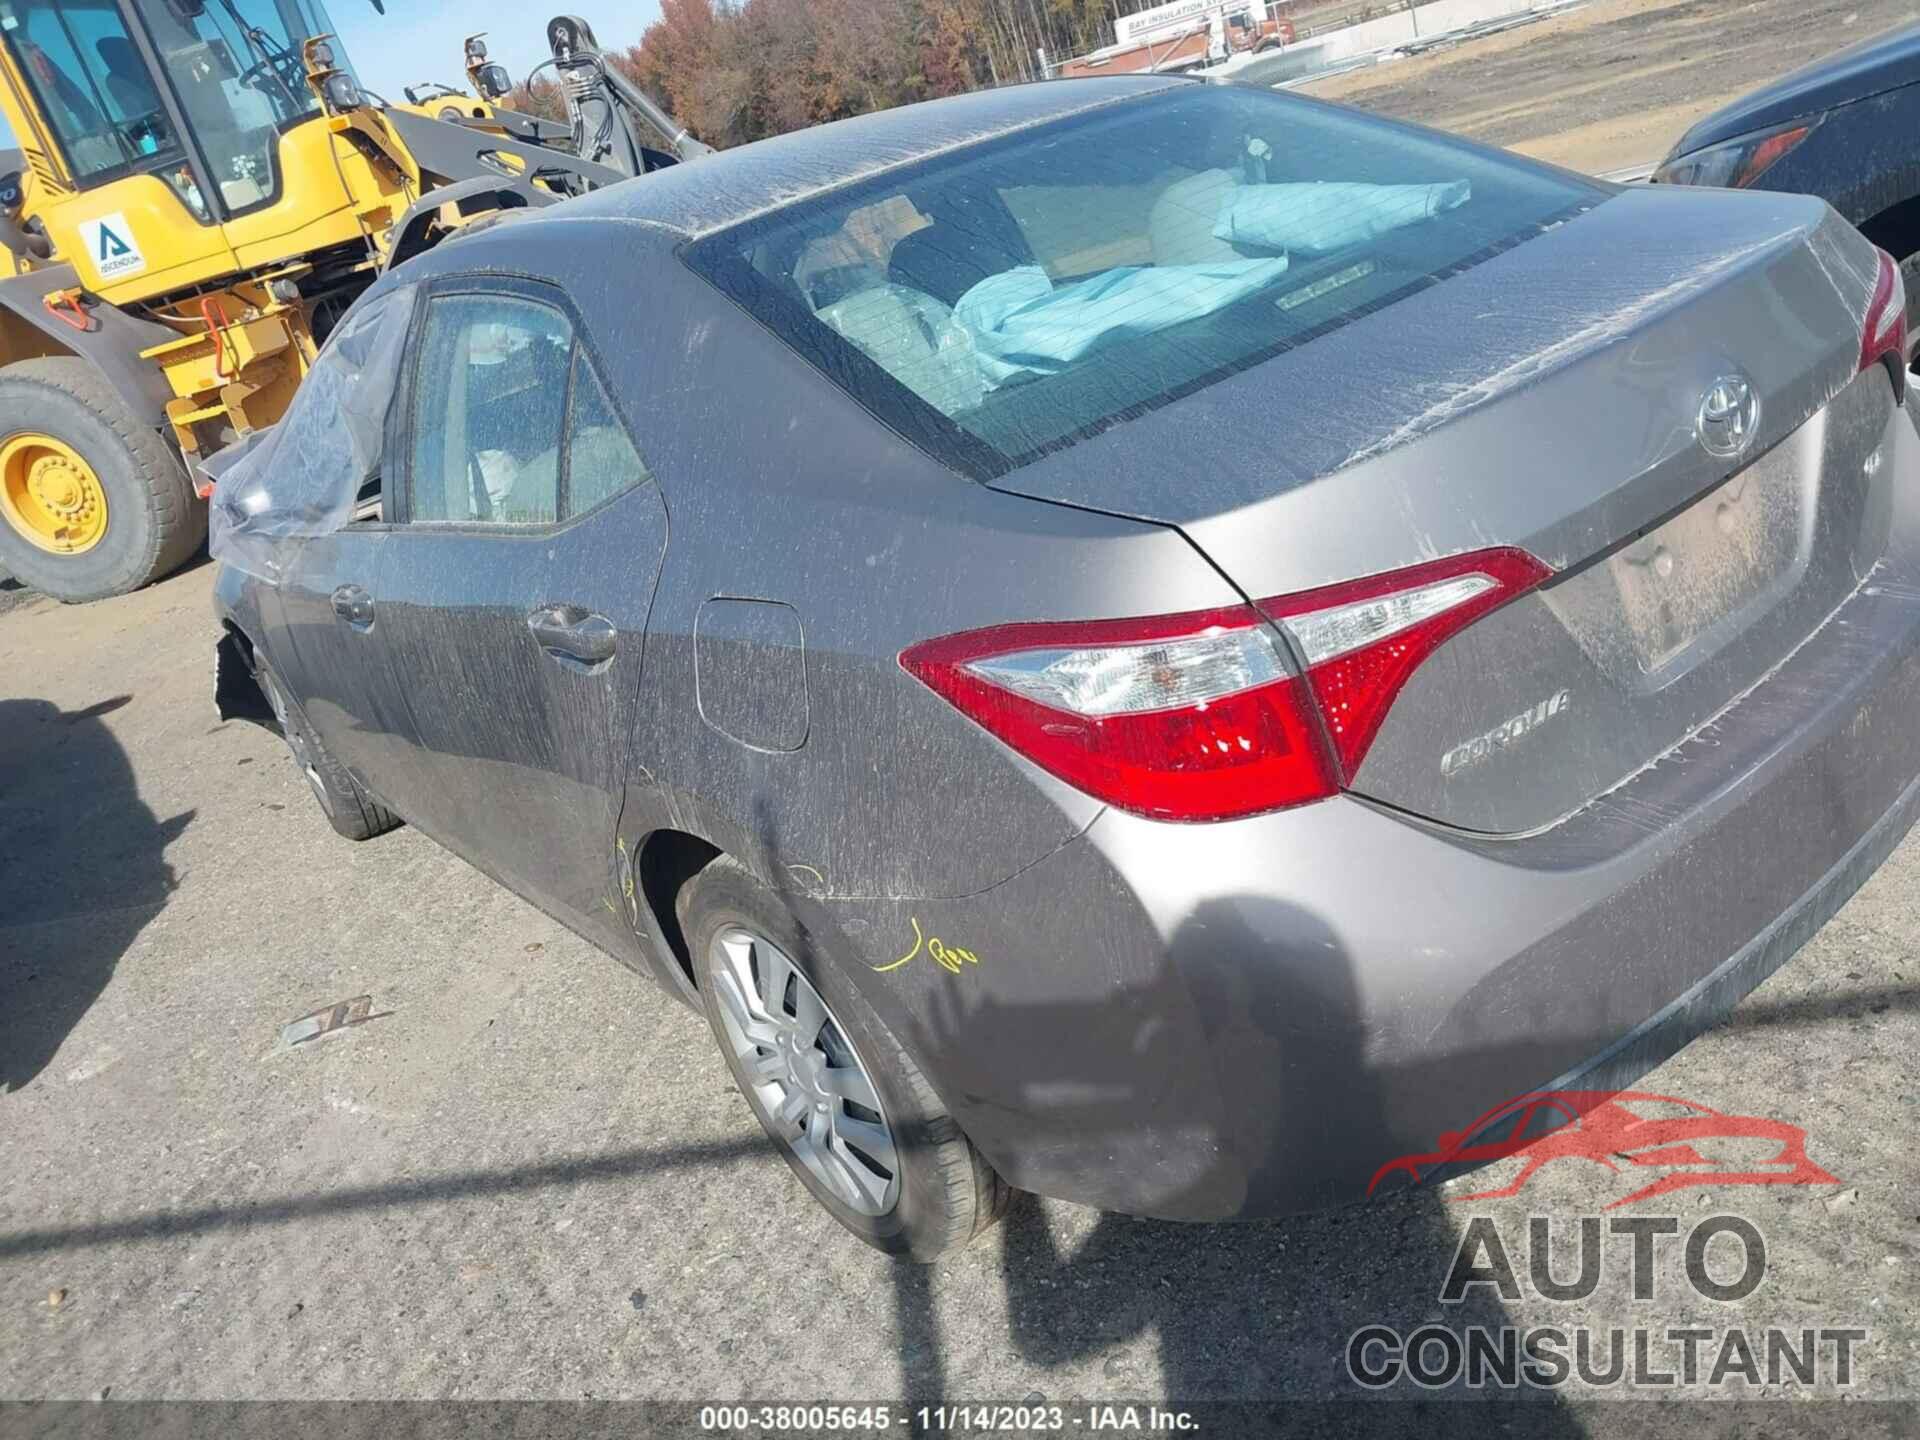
1163, 22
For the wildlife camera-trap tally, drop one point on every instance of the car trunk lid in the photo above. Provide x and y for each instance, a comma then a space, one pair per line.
1551, 399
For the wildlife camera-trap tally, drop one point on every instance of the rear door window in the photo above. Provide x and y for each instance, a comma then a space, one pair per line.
1006, 299
489, 411
602, 460
509, 424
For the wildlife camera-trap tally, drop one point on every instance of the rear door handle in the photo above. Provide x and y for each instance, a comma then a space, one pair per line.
572, 633
354, 605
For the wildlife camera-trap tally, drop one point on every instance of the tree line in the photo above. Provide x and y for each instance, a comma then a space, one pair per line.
738, 70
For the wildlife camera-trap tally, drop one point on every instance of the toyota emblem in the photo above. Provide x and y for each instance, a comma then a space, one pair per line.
1729, 416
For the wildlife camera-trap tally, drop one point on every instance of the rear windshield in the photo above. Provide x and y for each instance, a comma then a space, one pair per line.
1006, 299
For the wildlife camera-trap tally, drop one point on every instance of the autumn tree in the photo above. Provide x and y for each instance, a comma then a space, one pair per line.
537, 96
738, 70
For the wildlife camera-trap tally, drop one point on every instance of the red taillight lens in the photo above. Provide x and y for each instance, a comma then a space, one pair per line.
1180, 717
1885, 329
1205, 716
1363, 639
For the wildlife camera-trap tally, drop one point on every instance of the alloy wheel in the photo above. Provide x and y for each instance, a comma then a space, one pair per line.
296, 742
805, 1078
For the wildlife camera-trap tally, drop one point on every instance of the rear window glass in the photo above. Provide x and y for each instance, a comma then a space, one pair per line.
1006, 299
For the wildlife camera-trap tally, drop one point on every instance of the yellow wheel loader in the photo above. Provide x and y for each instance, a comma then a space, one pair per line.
201, 188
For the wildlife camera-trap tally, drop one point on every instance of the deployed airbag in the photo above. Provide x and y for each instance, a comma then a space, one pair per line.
1022, 325
1331, 215
913, 337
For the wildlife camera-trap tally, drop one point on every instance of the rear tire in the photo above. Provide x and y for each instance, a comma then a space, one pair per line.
941, 1193
348, 808
154, 522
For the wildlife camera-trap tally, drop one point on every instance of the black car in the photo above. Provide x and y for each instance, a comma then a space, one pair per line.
1846, 128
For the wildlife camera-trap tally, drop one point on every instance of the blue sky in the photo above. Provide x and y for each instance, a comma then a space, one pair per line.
419, 40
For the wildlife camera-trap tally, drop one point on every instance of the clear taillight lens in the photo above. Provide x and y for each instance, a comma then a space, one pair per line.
1328, 633
1102, 680
1205, 715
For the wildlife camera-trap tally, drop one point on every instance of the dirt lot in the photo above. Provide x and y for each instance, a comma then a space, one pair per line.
528, 1175
1615, 83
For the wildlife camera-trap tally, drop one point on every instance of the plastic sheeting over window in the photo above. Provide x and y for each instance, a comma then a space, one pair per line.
306, 475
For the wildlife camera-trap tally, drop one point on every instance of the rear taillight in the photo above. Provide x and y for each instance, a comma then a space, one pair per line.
1206, 715
1884, 332
1362, 640
1183, 717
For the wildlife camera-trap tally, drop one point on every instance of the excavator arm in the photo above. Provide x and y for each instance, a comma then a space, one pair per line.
612, 117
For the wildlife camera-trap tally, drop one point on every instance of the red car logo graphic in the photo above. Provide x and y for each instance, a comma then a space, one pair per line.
1618, 1129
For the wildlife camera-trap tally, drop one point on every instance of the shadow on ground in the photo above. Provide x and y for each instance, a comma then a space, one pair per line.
82, 870
564, 1173
1282, 1090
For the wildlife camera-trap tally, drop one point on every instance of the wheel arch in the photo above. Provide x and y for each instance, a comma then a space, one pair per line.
663, 864
1895, 229
486, 198
236, 689
111, 345
667, 848
666, 836
21, 339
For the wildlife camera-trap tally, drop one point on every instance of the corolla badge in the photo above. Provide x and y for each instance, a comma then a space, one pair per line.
1471, 752
1729, 416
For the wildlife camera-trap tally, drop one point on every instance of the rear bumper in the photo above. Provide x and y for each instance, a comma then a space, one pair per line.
1708, 1000
1246, 1019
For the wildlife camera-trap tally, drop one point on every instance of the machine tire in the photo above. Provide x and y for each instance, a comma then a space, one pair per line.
947, 1193
154, 521
349, 809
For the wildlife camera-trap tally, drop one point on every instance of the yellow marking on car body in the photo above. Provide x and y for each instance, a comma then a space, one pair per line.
951, 958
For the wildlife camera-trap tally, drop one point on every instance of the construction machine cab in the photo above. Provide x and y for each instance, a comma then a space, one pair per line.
196, 92
202, 190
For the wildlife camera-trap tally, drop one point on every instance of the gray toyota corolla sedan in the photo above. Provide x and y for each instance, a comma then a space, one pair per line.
1156, 643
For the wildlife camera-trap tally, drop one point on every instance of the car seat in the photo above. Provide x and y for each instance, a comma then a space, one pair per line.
1180, 225
945, 261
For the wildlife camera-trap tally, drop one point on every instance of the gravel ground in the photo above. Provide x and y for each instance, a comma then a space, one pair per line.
527, 1175
1613, 84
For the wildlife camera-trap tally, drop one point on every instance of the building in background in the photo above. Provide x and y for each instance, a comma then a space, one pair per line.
1184, 35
